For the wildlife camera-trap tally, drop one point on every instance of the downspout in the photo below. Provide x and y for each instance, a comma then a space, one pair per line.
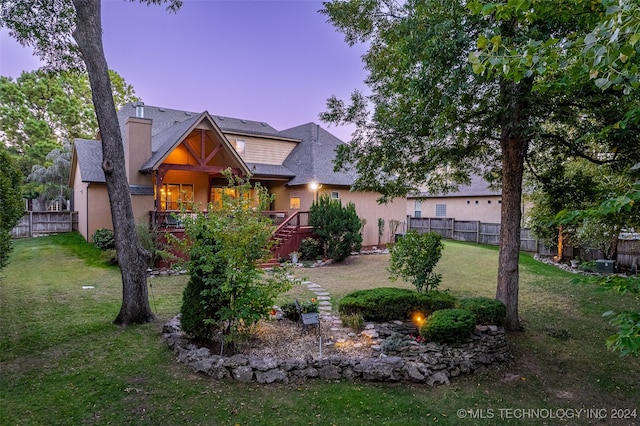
86, 212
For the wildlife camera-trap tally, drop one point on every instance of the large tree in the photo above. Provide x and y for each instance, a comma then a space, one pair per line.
75, 28
434, 118
43, 109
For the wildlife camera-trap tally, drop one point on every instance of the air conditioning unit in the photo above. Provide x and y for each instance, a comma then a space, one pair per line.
606, 266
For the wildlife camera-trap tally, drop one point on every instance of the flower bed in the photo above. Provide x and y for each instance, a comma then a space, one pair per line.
430, 363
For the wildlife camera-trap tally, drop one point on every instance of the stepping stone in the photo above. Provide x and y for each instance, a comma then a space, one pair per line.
324, 302
313, 285
325, 308
324, 298
322, 293
307, 282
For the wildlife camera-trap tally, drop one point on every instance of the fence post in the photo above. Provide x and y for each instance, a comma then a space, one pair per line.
30, 224
453, 228
478, 232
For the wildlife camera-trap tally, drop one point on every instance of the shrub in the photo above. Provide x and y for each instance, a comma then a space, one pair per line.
228, 292
448, 325
103, 239
487, 311
149, 238
290, 312
388, 303
309, 306
309, 249
588, 266
202, 297
337, 227
353, 321
414, 257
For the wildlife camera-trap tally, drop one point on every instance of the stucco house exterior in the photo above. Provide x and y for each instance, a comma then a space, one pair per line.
476, 201
174, 159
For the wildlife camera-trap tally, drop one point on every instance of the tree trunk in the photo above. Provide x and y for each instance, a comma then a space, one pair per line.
132, 257
514, 148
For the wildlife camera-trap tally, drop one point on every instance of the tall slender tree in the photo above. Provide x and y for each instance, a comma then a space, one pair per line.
73, 30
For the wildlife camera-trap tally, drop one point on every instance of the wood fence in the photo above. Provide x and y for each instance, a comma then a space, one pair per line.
489, 233
35, 224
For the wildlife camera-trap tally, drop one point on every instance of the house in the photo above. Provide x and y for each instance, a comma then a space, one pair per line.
175, 158
476, 201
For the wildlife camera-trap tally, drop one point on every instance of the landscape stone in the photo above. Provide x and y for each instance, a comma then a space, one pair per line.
431, 363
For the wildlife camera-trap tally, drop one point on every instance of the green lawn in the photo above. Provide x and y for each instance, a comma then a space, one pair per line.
63, 362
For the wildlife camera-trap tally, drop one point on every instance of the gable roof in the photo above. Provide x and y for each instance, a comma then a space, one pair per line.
164, 118
89, 158
312, 159
167, 140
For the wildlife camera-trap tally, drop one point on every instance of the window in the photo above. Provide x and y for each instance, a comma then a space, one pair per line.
240, 146
488, 201
335, 195
294, 201
441, 210
174, 196
417, 208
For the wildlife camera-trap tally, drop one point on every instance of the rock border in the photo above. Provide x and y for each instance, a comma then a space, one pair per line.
433, 363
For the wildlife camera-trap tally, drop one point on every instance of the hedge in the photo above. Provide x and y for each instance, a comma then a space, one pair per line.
389, 303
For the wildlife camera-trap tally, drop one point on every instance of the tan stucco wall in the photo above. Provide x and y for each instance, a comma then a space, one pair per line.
366, 206
99, 212
142, 205
369, 209
484, 209
80, 202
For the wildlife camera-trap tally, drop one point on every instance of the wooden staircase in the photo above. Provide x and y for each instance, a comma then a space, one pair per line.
288, 237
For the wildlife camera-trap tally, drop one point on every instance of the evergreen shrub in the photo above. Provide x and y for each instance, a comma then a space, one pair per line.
487, 311
103, 239
389, 303
448, 325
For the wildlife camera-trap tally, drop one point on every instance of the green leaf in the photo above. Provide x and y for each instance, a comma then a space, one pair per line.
478, 68
482, 42
602, 83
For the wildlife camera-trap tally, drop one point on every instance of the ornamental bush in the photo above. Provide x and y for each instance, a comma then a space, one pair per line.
290, 311
389, 303
487, 311
227, 292
103, 239
337, 227
309, 249
414, 257
448, 325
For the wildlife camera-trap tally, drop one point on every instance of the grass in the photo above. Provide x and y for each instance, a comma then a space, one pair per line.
63, 362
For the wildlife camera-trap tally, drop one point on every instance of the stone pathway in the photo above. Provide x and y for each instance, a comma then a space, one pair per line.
338, 333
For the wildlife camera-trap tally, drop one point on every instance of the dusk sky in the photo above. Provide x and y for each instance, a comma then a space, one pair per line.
272, 61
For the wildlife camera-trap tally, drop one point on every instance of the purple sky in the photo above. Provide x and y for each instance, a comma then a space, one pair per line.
273, 61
